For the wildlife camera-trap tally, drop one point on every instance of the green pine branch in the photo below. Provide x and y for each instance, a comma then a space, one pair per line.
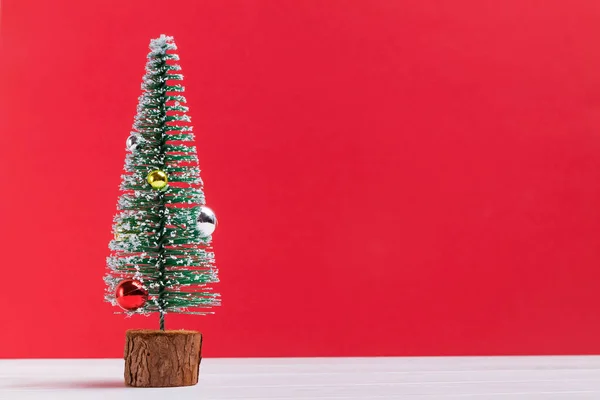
156, 237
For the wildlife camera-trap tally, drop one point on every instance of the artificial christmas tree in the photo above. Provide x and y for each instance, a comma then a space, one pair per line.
161, 260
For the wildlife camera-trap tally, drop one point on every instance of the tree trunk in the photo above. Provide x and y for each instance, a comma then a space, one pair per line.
162, 358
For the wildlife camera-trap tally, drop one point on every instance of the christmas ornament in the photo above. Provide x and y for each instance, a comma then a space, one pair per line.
121, 237
130, 294
207, 221
119, 234
157, 179
132, 142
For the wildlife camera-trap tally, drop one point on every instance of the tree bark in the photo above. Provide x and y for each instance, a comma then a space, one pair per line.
156, 358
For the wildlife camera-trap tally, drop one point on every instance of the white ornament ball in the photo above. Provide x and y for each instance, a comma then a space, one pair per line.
132, 142
207, 221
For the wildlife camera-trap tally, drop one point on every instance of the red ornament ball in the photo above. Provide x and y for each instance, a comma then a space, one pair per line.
130, 294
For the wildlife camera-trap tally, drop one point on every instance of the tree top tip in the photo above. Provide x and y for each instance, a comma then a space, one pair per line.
162, 44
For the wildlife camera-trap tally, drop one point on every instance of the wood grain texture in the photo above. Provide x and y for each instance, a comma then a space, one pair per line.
156, 358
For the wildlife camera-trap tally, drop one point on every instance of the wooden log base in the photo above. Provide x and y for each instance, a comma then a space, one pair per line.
162, 358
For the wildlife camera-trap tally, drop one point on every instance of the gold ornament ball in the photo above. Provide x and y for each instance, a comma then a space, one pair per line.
121, 237
157, 179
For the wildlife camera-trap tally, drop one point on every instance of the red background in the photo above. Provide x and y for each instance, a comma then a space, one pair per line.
391, 177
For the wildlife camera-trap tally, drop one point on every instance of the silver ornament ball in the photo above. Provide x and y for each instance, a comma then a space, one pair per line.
132, 142
207, 221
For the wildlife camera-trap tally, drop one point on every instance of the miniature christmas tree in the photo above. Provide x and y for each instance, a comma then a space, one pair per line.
161, 260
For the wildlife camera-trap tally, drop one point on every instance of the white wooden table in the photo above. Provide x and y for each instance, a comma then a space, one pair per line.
530, 378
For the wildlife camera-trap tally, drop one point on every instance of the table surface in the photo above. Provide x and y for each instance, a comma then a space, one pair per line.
530, 378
